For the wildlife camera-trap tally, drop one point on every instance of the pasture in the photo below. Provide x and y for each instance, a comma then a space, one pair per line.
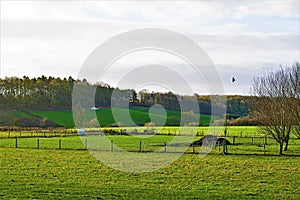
241, 131
57, 165
140, 115
245, 140
73, 174
149, 143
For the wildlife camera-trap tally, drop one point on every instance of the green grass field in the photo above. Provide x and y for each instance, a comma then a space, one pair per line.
48, 167
74, 174
148, 143
105, 116
239, 131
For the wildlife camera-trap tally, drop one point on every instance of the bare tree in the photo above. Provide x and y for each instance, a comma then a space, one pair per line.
294, 94
277, 103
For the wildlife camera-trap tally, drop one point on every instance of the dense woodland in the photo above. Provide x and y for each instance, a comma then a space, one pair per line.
36, 93
49, 93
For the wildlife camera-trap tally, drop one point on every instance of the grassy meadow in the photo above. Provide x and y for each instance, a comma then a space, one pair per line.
149, 143
55, 164
47, 167
241, 131
140, 115
73, 174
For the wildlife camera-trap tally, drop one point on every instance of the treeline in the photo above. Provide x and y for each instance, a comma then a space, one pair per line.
46, 93
35, 93
236, 105
49, 93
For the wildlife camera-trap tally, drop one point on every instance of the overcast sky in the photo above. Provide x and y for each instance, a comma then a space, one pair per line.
244, 39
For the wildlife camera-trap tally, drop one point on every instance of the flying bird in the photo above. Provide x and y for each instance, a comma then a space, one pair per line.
233, 80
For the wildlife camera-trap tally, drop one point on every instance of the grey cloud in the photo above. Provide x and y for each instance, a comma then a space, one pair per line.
257, 41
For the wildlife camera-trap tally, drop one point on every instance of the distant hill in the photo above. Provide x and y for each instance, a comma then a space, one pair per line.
47, 102
17, 118
50, 93
139, 115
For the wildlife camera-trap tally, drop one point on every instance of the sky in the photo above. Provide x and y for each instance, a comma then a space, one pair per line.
243, 39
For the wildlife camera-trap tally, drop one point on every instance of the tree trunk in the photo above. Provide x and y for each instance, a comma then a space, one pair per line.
280, 148
286, 145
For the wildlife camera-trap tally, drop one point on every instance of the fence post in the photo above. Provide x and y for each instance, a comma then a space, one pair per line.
224, 148
233, 142
59, 144
38, 143
112, 145
241, 134
165, 147
16, 142
20, 134
140, 146
193, 147
85, 144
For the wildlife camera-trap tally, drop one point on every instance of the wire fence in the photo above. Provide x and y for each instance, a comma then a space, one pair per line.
37, 133
34, 132
161, 144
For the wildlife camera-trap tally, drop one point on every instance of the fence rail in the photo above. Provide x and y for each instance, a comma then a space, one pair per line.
35, 134
244, 145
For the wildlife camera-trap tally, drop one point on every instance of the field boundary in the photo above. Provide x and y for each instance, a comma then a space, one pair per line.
256, 146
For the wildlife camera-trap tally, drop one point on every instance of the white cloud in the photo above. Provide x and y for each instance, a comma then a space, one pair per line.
54, 38
271, 8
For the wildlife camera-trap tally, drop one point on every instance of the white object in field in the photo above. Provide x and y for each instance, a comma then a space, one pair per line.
81, 131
